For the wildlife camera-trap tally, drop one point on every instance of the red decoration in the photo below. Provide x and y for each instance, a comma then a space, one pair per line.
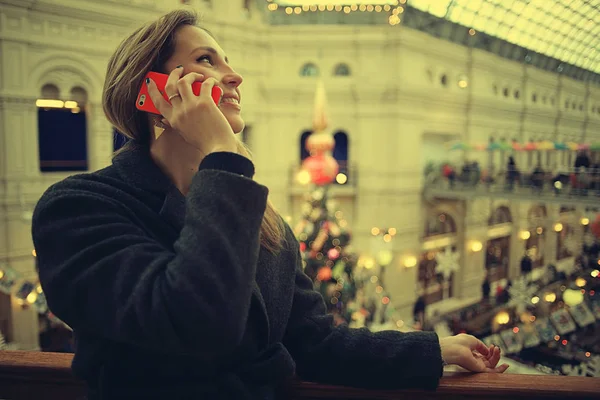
333, 254
324, 274
323, 168
302, 247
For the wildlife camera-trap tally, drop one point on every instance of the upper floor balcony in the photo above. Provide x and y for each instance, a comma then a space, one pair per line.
568, 187
36, 375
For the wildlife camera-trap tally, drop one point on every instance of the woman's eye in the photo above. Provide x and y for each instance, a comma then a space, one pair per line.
203, 59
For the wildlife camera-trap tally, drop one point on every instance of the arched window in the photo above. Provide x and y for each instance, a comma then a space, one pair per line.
62, 130
309, 69
439, 224
537, 215
340, 152
501, 215
432, 285
342, 69
303, 151
534, 246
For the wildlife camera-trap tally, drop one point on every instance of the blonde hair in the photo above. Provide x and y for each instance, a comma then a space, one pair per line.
148, 49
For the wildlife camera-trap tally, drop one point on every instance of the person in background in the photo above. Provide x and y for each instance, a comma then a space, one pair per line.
178, 276
512, 173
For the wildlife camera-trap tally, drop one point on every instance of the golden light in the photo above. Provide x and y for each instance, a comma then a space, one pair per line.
75, 110
410, 261
375, 231
32, 297
585, 221
524, 235
71, 104
385, 257
273, 7
394, 20
550, 297
462, 84
297, 10
34, 253
369, 263
374, 279
392, 231
289, 10
370, 8
399, 323
387, 238
588, 354
558, 227
472, 32
572, 297
595, 273
39, 289
580, 282
539, 230
379, 289
502, 318
476, 246
398, 10
385, 300
47, 103
341, 178
303, 177
535, 300
1, 274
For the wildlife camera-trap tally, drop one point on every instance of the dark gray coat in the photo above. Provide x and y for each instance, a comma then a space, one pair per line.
173, 297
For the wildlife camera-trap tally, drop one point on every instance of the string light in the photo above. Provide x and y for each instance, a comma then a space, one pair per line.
384, 6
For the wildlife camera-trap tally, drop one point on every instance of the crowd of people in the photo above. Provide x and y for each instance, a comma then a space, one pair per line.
582, 178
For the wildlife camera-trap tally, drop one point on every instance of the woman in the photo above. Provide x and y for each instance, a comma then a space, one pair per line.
177, 276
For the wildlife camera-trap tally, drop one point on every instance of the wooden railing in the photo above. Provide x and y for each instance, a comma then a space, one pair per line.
35, 375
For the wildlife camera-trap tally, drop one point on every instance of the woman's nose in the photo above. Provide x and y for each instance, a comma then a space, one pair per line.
233, 79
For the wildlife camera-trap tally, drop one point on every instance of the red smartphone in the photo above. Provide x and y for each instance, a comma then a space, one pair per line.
144, 102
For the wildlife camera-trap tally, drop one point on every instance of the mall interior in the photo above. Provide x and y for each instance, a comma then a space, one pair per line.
438, 160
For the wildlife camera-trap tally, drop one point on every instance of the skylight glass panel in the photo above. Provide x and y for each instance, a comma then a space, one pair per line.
565, 29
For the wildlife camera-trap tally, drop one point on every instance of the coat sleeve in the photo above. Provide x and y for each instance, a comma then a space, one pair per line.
104, 274
356, 357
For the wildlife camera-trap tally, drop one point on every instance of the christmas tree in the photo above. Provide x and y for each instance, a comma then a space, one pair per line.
350, 285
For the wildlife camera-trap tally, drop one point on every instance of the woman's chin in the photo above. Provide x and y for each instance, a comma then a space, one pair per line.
237, 124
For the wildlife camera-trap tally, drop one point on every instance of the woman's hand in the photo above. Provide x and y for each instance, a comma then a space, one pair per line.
196, 118
472, 354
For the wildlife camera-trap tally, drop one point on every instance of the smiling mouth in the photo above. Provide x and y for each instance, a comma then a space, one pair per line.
231, 100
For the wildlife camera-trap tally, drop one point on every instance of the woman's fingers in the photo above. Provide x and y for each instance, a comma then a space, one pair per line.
171, 85
207, 87
184, 85
158, 100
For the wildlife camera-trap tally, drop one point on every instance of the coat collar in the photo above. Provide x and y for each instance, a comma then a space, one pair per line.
137, 168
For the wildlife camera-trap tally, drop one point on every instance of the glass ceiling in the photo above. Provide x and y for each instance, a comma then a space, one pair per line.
567, 30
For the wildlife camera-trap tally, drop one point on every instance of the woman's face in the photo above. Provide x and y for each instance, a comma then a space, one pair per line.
198, 52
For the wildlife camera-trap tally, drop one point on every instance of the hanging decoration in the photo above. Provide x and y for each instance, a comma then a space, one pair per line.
447, 262
27, 292
521, 292
320, 164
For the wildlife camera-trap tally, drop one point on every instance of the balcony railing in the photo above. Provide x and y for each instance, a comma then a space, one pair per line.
36, 375
568, 187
